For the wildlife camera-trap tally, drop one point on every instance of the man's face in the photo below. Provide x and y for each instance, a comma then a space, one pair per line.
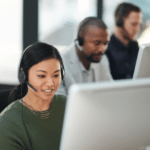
132, 24
95, 43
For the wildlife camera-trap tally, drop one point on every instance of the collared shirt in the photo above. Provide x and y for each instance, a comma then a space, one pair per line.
122, 58
88, 75
74, 74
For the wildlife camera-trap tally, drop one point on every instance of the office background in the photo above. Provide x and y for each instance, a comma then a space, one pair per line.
23, 22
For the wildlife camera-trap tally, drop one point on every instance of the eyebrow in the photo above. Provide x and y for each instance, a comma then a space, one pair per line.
46, 71
41, 71
57, 71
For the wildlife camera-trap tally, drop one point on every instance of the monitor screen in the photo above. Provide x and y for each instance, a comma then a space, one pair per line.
107, 115
142, 68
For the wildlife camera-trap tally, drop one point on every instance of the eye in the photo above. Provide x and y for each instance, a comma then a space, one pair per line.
97, 43
105, 43
41, 76
56, 75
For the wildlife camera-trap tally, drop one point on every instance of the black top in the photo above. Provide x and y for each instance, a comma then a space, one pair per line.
122, 58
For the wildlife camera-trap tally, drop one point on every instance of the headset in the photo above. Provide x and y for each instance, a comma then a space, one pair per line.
22, 75
120, 19
81, 25
121, 10
81, 50
79, 42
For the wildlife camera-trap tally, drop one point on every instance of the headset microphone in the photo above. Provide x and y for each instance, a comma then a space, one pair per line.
32, 87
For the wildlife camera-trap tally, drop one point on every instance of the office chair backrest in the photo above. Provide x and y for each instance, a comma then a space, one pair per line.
4, 99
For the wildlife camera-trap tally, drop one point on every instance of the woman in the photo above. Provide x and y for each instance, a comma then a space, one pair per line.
34, 120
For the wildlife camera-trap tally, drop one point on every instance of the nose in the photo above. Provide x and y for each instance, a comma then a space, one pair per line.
50, 81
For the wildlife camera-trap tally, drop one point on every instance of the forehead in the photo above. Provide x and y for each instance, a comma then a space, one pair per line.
94, 32
134, 16
47, 65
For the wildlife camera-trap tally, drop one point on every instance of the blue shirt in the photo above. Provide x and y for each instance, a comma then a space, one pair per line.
122, 58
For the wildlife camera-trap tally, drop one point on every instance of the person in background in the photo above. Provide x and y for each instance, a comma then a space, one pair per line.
85, 59
34, 120
122, 49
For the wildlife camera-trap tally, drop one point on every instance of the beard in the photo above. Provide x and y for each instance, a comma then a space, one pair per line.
91, 59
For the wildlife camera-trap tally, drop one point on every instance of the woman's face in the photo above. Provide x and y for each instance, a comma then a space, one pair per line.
45, 77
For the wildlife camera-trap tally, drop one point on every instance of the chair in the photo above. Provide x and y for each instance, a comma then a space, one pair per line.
4, 98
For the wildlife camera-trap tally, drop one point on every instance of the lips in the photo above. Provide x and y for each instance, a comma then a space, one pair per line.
48, 90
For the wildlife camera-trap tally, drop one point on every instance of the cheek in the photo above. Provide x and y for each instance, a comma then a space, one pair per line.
89, 48
57, 82
35, 82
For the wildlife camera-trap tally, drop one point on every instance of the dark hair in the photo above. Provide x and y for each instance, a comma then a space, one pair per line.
123, 10
89, 21
32, 55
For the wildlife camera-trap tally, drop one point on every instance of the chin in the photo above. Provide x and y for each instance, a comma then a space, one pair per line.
96, 60
132, 38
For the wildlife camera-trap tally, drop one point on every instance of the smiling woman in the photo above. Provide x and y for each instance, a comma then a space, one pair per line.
35, 109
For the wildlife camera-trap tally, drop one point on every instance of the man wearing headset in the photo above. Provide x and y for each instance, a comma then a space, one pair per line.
84, 60
123, 49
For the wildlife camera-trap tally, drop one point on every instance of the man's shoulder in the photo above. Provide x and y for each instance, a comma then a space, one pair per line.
68, 51
113, 40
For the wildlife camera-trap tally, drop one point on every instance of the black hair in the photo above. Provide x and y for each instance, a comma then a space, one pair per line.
124, 9
32, 55
89, 21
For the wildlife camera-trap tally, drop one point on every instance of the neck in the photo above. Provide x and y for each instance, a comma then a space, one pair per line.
35, 103
85, 62
119, 33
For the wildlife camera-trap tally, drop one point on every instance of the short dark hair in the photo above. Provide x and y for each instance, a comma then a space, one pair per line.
89, 21
123, 10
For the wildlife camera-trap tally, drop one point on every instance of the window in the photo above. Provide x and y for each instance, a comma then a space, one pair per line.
59, 19
10, 40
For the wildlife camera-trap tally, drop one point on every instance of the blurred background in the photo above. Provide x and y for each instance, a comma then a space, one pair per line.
23, 22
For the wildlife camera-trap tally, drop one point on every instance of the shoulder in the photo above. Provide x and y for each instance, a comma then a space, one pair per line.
59, 103
68, 52
11, 114
10, 117
10, 109
111, 44
134, 47
135, 44
11, 127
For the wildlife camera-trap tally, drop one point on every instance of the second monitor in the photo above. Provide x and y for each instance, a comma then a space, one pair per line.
142, 68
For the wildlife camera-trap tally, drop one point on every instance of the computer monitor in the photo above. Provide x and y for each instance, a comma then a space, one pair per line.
106, 116
142, 68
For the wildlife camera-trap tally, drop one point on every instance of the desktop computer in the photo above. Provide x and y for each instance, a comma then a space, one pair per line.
107, 115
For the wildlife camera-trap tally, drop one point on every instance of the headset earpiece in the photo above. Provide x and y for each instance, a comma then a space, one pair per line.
62, 72
81, 41
119, 22
22, 77
120, 14
77, 44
